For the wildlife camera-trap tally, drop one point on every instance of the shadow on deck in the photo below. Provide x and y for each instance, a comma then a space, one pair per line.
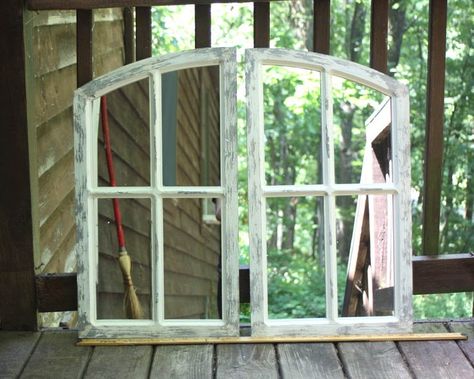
53, 354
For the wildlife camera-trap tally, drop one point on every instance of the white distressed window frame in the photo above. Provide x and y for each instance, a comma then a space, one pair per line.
258, 192
86, 115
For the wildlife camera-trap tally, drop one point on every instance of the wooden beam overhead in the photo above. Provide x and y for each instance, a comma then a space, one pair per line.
17, 278
434, 126
84, 25
96, 4
378, 35
261, 24
202, 25
321, 26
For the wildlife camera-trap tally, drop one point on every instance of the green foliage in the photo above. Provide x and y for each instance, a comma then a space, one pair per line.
450, 305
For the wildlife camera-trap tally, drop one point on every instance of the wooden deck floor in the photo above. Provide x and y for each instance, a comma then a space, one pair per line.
53, 354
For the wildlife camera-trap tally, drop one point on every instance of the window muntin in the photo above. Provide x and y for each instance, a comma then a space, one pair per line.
393, 186
156, 193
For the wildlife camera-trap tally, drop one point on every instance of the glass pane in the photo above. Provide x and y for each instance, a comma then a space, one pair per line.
128, 120
136, 223
365, 255
192, 260
295, 258
191, 127
362, 133
292, 118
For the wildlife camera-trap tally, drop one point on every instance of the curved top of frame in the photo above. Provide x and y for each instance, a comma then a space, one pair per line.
325, 63
141, 69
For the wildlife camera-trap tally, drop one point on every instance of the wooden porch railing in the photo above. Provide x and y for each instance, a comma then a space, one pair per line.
19, 299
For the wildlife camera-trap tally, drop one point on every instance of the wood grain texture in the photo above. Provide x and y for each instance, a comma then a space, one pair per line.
434, 126
436, 359
17, 295
15, 350
321, 26
246, 361
309, 361
193, 362
466, 328
57, 356
119, 362
373, 360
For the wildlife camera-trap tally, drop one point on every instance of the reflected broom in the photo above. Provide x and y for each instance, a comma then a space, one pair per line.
132, 306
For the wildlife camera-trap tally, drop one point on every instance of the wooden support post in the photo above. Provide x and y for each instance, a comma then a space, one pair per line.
129, 34
17, 277
321, 26
84, 46
378, 35
261, 24
202, 25
143, 36
434, 126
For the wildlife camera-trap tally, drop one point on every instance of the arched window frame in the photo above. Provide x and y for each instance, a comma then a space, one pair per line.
86, 116
258, 191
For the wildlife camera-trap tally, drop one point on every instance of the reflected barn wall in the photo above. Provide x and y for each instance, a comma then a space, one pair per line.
128, 116
192, 247
50, 51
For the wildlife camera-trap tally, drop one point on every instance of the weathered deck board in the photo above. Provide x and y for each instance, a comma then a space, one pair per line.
468, 329
54, 354
441, 359
373, 360
15, 349
318, 360
57, 356
246, 361
192, 361
120, 362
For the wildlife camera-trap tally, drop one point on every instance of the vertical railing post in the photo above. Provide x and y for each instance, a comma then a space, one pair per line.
261, 24
434, 126
321, 26
84, 23
129, 35
378, 35
17, 276
202, 25
143, 32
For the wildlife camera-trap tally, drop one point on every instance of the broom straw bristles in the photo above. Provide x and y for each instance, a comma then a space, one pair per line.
132, 305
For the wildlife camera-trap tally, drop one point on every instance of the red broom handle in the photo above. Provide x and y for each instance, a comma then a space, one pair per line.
110, 168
